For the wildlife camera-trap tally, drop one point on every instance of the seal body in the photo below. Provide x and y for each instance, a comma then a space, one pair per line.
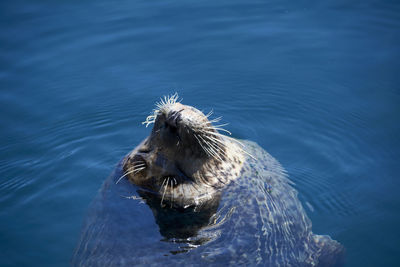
182, 201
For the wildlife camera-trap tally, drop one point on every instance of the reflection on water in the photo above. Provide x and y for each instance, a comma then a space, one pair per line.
180, 223
315, 84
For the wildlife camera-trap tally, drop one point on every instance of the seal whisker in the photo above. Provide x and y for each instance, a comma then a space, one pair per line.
182, 193
212, 126
213, 152
151, 118
212, 121
163, 183
165, 189
233, 140
166, 100
220, 152
247, 153
214, 133
134, 166
120, 178
172, 193
215, 128
173, 98
220, 148
139, 163
210, 145
135, 169
209, 113
222, 135
215, 140
215, 148
139, 169
218, 125
202, 146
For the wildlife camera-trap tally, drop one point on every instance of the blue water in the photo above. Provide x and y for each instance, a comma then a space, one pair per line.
315, 83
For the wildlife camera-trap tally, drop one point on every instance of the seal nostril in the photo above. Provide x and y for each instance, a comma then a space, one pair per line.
173, 129
171, 124
173, 119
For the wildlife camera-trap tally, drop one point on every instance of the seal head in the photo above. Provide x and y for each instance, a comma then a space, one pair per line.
185, 160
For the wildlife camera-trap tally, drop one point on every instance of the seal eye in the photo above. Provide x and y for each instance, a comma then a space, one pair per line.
144, 150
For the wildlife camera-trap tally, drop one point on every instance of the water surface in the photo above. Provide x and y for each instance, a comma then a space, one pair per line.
314, 83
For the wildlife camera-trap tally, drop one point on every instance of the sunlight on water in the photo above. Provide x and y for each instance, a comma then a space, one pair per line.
314, 84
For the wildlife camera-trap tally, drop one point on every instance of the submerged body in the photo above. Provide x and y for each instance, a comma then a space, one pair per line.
186, 206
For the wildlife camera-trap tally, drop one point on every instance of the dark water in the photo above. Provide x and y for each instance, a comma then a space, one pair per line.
317, 84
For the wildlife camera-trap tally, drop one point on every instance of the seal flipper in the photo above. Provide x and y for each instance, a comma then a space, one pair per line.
332, 253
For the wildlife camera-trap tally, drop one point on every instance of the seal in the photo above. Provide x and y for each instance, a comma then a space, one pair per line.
210, 199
